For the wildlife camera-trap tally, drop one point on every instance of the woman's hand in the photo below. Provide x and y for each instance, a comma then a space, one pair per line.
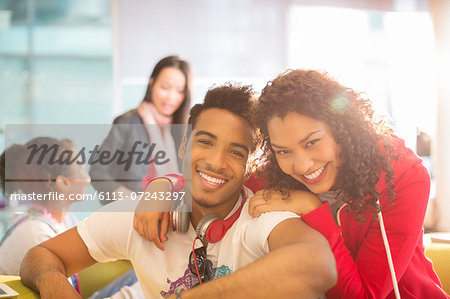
300, 202
150, 219
152, 226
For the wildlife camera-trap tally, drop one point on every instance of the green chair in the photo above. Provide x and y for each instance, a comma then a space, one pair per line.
101, 274
91, 279
437, 249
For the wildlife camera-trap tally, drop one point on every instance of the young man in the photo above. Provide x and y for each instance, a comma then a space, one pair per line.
275, 255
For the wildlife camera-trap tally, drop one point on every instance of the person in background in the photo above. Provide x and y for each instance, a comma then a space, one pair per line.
43, 219
167, 101
323, 138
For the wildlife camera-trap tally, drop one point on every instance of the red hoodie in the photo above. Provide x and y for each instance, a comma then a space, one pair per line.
362, 265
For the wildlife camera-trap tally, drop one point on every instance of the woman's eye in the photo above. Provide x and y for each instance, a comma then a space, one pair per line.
311, 143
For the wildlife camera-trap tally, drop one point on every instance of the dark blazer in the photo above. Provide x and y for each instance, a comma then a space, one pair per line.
127, 129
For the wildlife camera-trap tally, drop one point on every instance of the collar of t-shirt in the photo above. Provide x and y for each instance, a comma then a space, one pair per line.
334, 202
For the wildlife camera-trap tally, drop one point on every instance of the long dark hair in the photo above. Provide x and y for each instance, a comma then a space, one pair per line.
364, 141
180, 115
33, 176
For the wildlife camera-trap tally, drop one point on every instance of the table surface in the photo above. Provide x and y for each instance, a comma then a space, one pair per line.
14, 283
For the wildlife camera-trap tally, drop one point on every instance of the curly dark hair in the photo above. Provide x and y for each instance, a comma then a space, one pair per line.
352, 123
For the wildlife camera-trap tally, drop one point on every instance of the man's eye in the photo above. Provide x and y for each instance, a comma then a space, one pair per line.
238, 154
281, 152
203, 141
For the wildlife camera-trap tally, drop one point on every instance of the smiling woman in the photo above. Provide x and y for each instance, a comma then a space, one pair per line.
323, 137
306, 150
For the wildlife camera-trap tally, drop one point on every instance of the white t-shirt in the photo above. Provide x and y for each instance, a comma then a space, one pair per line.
110, 236
31, 232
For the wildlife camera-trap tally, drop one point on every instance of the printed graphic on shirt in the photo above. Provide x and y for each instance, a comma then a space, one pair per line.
185, 282
189, 280
222, 271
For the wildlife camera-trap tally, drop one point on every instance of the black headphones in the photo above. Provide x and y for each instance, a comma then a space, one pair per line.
210, 229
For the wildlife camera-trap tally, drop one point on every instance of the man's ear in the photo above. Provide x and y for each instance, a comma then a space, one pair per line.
182, 147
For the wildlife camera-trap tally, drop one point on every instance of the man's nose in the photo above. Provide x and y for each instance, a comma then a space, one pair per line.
217, 159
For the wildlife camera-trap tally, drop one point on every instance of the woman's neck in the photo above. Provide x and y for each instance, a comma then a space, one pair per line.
149, 114
57, 216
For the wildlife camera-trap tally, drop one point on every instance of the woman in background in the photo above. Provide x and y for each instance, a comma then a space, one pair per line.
167, 101
328, 159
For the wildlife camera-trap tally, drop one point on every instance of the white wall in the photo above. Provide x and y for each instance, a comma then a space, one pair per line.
222, 39
440, 10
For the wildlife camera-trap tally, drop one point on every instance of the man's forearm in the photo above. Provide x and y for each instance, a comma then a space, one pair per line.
294, 271
55, 285
44, 272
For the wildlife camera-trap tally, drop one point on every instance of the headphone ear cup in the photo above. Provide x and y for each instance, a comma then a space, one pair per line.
179, 219
184, 220
216, 231
204, 225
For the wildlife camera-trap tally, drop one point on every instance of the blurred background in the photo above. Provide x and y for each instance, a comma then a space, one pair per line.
87, 61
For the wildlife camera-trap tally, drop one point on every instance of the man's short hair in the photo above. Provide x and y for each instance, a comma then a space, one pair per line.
233, 97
